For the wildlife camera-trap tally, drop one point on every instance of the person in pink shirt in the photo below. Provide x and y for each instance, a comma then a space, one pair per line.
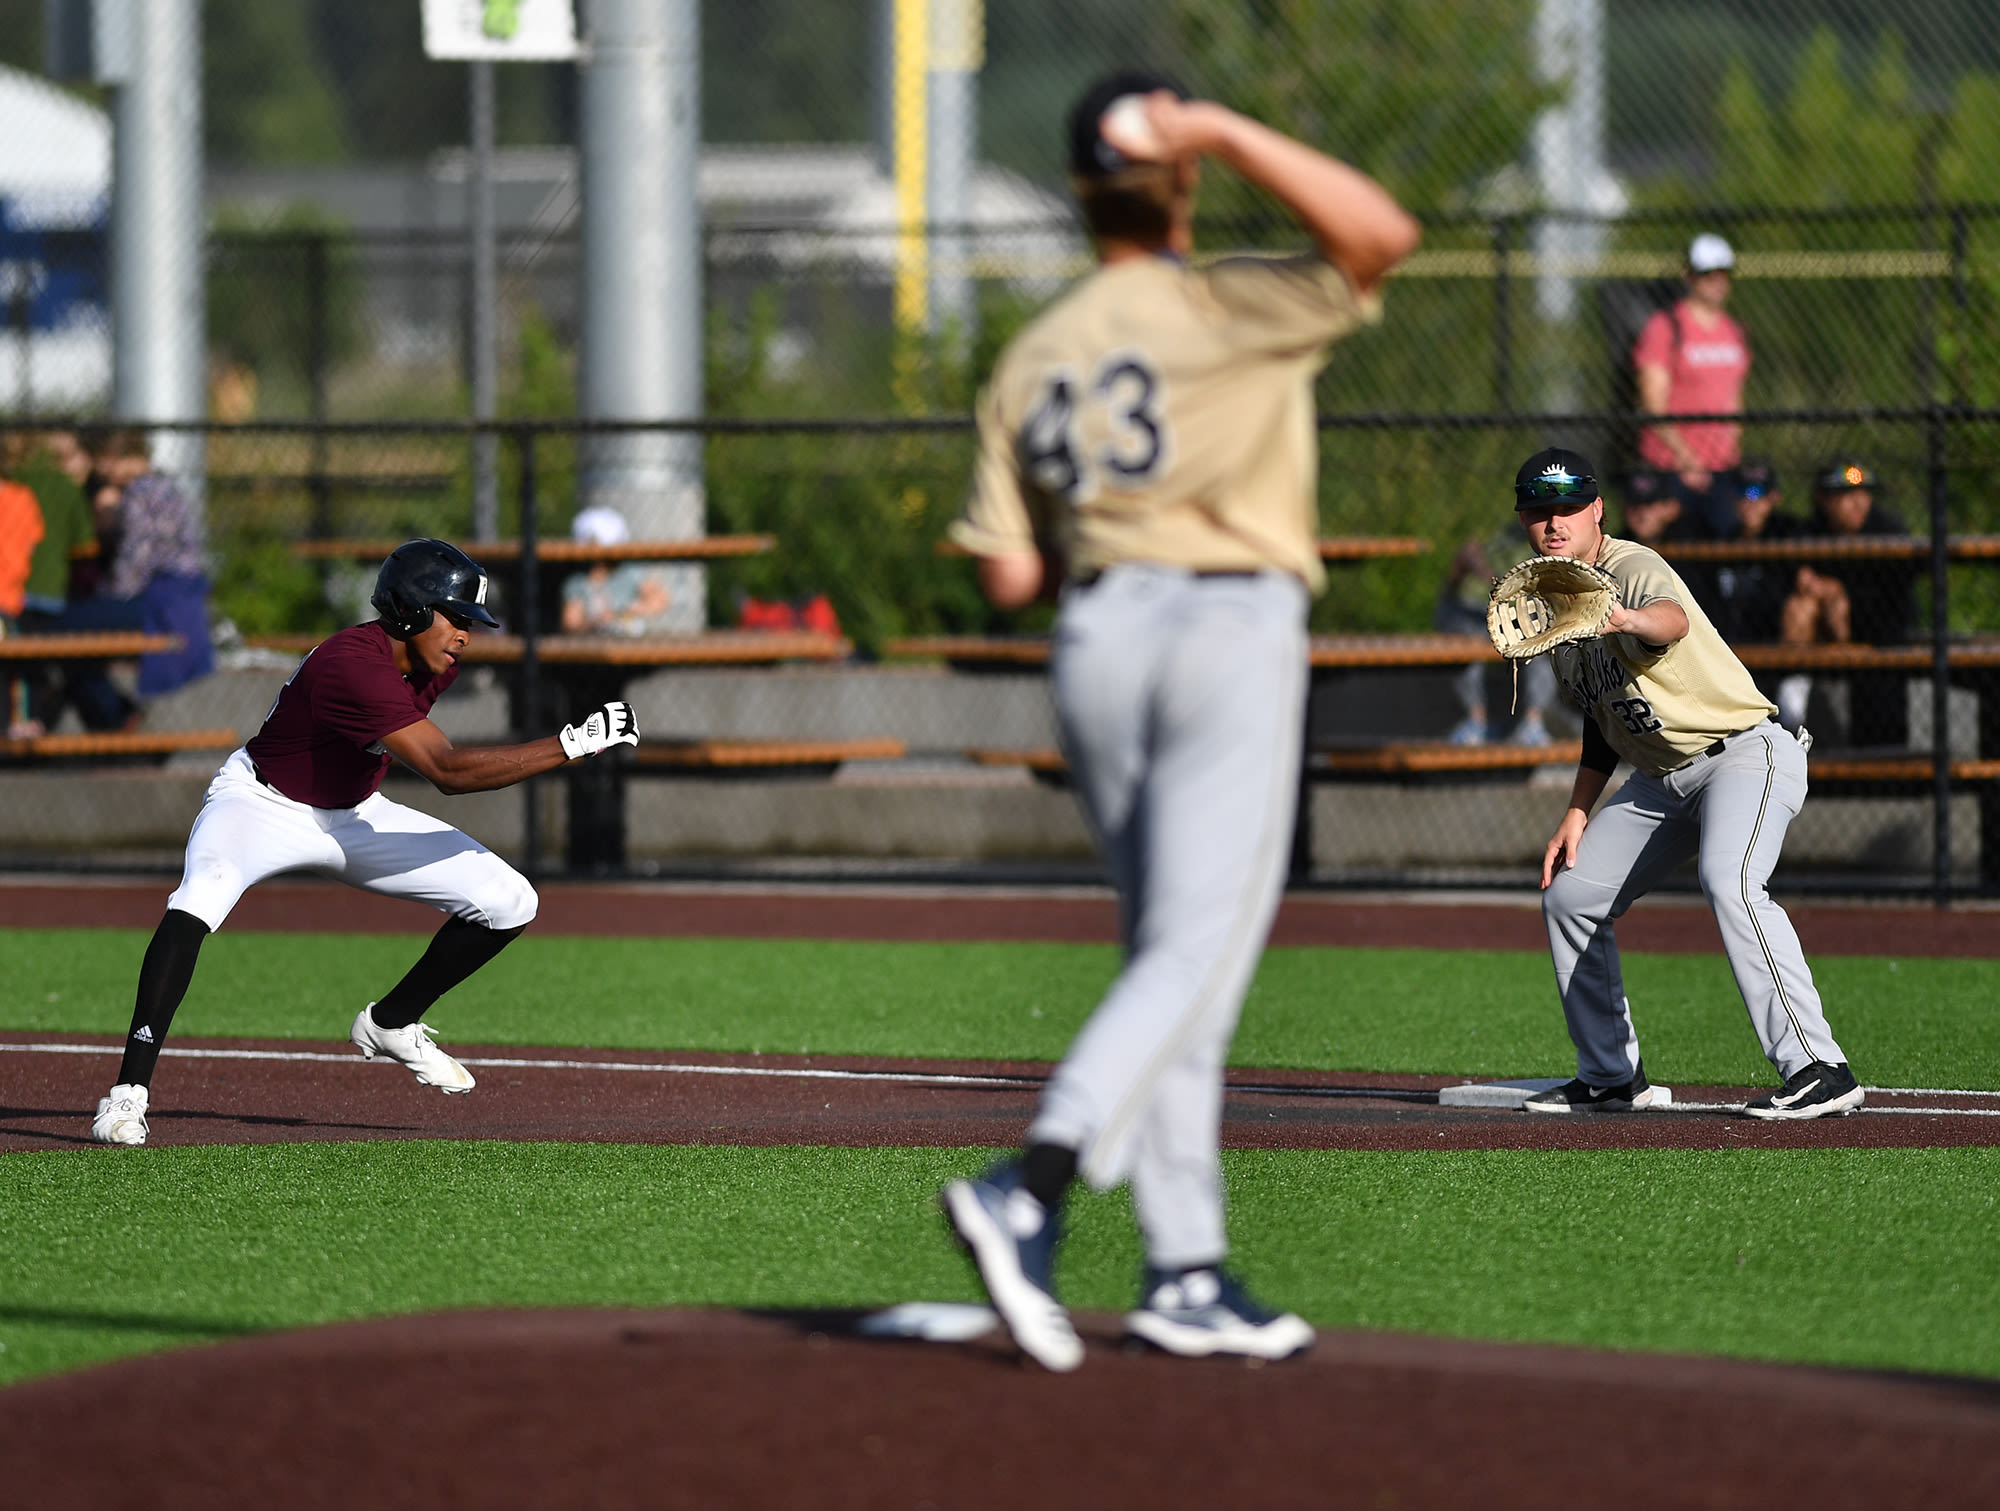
1692, 359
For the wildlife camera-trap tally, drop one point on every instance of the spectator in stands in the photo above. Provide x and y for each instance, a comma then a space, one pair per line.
608, 600
156, 581
49, 467
1461, 610
1692, 359
1866, 600
1750, 595
1652, 511
20, 533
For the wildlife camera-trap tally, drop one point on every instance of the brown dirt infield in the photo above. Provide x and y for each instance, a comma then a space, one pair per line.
708, 1409
722, 1409
696, 1098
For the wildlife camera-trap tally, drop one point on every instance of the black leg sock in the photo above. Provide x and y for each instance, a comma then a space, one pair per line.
163, 981
456, 951
1047, 1170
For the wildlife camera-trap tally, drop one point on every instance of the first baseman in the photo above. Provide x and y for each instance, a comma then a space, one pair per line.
1154, 433
1715, 779
303, 795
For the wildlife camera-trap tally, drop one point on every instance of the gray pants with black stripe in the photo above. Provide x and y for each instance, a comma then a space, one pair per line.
1730, 812
1180, 700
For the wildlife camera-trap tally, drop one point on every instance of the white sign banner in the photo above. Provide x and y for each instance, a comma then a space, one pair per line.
502, 31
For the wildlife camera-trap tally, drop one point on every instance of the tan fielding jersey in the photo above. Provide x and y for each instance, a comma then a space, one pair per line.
1658, 708
1162, 413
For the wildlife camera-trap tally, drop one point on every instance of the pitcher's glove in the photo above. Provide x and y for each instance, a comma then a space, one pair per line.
1548, 601
611, 725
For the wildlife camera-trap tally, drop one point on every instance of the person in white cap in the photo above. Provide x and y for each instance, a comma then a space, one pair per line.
1692, 359
624, 600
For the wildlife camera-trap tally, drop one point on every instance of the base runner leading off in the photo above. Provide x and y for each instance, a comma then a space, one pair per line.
1716, 779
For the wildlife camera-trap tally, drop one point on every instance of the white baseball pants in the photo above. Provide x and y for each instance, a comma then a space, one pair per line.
1181, 701
247, 832
1729, 812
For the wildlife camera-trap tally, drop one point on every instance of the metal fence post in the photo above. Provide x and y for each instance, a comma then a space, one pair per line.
527, 611
1940, 666
1503, 319
316, 381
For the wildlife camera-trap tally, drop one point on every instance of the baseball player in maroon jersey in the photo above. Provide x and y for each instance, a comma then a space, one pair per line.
304, 795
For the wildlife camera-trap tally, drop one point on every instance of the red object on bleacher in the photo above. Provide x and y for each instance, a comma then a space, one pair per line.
814, 614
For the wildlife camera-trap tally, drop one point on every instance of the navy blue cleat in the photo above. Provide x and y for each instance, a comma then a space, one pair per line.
1012, 1238
1206, 1311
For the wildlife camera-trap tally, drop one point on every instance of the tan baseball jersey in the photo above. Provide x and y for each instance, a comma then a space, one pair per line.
1658, 708
1164, 413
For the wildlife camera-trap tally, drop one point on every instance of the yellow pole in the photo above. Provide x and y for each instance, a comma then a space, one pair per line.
912, 141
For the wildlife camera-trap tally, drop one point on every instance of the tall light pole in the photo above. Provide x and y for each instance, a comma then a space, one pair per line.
642, 359
149, 52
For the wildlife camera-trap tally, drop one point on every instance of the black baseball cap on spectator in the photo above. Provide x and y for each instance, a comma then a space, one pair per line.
1842, 474
1554, 475
1756, 479
1644, 485
1090, 155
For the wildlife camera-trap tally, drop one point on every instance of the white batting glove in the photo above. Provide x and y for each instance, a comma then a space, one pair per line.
611, 725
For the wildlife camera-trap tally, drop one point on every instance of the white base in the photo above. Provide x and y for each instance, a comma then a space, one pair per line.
1512, 1094
933, 1321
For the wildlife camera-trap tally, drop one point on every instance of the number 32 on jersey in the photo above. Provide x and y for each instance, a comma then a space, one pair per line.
1081, 437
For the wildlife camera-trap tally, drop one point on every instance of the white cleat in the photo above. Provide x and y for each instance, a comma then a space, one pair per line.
121, 1117
414, 1047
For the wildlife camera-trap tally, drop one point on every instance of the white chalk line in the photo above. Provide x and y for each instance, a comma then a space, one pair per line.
936, 1078
802, 1073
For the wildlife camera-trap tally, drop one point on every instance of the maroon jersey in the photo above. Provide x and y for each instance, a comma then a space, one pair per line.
321, 743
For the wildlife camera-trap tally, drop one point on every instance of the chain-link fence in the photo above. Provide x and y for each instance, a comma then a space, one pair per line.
917, 734
1561, 153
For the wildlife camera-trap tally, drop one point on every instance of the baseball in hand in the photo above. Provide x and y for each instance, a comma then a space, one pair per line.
1127, 125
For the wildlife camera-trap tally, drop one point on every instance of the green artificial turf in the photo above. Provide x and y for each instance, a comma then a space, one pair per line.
1873, 1258
1903, 1022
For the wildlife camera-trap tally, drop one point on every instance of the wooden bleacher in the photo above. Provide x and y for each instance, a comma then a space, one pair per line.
761, 757
112, 743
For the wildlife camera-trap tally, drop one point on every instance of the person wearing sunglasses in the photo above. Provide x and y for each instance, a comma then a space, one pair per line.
1714, 780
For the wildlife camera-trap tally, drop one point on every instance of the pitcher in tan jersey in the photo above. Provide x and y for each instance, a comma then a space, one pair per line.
1151, 438
1716, 779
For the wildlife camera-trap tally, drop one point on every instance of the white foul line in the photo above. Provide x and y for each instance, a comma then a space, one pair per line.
931, 1078
804, 1073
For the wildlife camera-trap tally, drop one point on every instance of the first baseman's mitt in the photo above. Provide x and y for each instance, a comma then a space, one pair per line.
1548, 601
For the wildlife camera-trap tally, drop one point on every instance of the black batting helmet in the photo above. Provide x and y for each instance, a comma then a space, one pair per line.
423, 576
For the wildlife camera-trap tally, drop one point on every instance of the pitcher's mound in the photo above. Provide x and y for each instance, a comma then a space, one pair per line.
709, 1409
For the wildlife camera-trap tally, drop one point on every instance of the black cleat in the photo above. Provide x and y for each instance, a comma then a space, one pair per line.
1581, 1096
1820, 1090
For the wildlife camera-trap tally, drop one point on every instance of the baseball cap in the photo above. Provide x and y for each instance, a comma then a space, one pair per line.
1709, 253
1090, 156
1842, 474
1756, 479
1551, 476
1644, 486
600, 525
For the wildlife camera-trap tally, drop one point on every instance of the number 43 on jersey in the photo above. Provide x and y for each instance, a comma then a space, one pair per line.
1136, 444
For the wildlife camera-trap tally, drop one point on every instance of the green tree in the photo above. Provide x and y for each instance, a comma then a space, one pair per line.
1429, 96
265, 99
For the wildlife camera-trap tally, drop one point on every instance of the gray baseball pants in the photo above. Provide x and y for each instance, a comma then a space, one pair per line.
1730, 812
1180, 699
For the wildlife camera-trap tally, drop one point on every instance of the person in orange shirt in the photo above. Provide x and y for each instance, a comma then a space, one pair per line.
21, 530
